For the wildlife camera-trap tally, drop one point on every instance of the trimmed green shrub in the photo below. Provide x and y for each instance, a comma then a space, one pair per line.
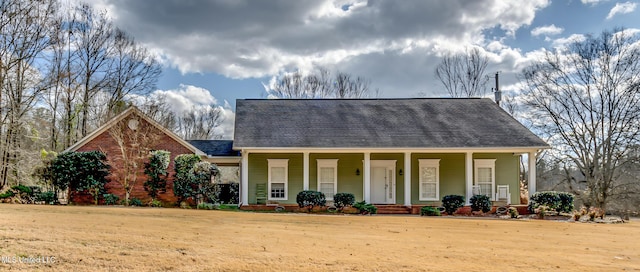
566, 202
342, 200
365, 208
47, 197
452, 203
6, 194
480, 203
135, 202
110, 199
310, 199
22, 189
556, 201
82, 171
184, 176
156, 170
429, 211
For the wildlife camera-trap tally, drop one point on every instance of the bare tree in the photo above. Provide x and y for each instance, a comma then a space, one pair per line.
586, 99
135, 138
463, 75
200, 123
157, 108
321, 84
26, 27
134, 69
93, 33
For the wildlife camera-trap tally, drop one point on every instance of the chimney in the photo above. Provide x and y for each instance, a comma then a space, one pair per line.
497, 92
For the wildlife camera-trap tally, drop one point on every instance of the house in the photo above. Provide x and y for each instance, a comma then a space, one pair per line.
131, 122
384, 151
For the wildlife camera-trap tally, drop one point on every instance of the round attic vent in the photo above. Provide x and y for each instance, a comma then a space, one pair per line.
133, 124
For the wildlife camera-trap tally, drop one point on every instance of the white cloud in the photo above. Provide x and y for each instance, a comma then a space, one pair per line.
188, 97
592, 2
622, 8
563, 42
258, 39
547, 30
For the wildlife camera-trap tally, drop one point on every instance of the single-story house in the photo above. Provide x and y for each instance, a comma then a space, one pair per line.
384, 151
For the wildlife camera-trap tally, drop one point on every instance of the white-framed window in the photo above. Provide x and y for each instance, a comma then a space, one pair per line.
429, 179
278, 179
328, 177
485, 176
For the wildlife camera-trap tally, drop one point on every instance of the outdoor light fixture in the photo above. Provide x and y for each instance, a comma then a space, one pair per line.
357, 171
400, 172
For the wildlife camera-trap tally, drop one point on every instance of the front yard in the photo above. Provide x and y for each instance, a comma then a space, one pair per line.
34, 237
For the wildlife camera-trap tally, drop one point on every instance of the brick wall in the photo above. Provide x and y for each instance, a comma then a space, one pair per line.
105, 143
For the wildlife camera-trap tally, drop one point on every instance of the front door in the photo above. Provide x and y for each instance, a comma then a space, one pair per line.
383, 182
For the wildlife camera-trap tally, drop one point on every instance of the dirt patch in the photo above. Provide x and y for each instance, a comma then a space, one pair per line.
152, 239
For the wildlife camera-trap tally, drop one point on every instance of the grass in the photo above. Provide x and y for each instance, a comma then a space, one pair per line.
148, 239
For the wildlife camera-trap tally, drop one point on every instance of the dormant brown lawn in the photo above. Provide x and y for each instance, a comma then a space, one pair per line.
147, 239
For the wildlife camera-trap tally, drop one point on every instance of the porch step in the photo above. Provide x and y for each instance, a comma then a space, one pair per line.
393, 209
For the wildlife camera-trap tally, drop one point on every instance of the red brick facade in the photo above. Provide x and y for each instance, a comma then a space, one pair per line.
105, 143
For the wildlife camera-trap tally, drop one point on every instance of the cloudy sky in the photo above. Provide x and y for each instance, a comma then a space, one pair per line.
216, 51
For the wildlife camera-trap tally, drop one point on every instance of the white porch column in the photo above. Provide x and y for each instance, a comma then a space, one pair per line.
305, 171
244, 186
407, 179
367, 177
468, 166
532, 173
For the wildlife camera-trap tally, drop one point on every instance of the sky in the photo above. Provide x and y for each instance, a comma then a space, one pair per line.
216, 51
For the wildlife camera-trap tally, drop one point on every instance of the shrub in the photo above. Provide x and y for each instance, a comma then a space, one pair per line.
110, 199
429, 211
22, 189
513, 212
541, 211
207, 206
156, 170
566, 202
82, 171
480, 203
365, 208
47, 197
155, 203
135, 202
452, 203
342, 200
184, 177
556, 201
6, 194
310, 199
595, 212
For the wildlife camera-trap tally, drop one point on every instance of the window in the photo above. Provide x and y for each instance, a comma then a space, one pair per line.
278, 179
485, 176
328, 177
429, 179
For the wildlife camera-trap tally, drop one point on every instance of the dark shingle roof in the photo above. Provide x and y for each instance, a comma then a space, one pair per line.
378, 123
222, 148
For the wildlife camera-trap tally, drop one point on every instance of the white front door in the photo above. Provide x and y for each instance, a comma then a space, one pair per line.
383, 182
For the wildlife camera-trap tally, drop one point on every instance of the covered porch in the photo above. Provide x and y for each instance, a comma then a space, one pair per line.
383, 176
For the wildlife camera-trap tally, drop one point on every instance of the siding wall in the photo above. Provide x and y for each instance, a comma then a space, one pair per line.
452, 173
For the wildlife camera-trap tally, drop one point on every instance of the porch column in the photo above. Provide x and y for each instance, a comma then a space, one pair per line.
532, 173
244, 186
367, 177
407, 179
468, 166
305, 171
